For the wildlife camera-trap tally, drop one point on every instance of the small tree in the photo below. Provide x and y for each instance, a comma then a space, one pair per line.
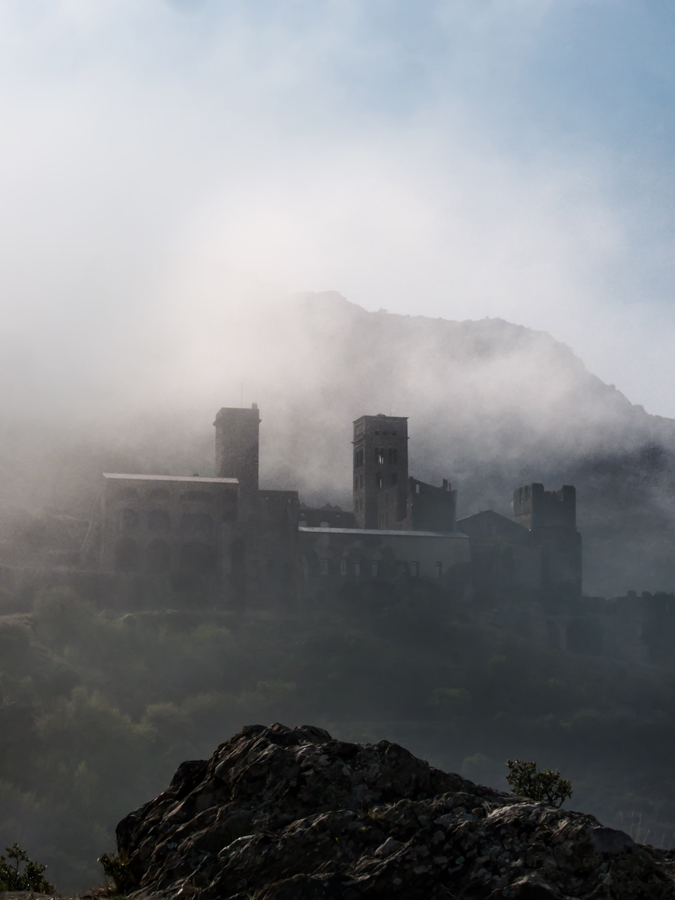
116, 869
31, 878
547, 786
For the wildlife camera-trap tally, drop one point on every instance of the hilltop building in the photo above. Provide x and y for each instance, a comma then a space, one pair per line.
259, 547
539, 550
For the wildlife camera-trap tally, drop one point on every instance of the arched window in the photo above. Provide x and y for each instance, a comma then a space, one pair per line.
197, 558
197, 497
158, 521
126, 555
128, 519
158, 556
196, 525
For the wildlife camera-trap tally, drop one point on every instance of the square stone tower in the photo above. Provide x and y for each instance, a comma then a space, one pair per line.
238, 447
380, 462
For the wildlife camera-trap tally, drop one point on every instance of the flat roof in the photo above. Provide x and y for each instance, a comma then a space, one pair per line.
382, 531
193, 478
382, 416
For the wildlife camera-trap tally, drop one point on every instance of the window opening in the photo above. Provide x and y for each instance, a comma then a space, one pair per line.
158, 556
127, 555
158, 520
197, 524
414, 569
129, 519
324, 566
343, 567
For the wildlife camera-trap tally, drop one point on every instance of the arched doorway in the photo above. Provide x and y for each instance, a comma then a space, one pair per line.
158, 557
126, 555
197, 558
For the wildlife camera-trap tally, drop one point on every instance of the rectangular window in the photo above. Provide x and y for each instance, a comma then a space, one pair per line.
379, 480
394, 478
357, 567
324, 566
438, 569
417, 488
375, 568
393, 456
356, 484
379, 456
414, 569
343, 567
358, 459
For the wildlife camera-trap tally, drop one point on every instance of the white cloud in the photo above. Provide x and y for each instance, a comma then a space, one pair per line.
157, 157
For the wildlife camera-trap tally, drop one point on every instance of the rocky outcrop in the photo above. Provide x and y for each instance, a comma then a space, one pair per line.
291, 814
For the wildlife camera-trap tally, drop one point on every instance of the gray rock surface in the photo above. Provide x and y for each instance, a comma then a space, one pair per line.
291, 814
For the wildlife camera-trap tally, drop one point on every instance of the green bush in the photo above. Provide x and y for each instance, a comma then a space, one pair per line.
31, 878
116, 869
547, 786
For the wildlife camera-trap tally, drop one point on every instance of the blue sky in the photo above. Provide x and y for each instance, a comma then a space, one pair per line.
509, 158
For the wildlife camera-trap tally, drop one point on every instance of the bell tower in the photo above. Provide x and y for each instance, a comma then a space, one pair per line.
380, 462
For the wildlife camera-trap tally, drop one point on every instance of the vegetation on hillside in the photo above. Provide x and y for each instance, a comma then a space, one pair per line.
97, 709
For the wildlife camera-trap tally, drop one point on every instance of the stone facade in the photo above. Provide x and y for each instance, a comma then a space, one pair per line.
381, 566
167, 524
380, 463
551, 518
385, 497
504, 560
224, 530
266, 549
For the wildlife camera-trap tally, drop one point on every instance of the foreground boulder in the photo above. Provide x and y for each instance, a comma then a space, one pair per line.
291, 814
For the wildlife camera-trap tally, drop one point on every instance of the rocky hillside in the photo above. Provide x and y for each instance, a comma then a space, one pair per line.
291, 814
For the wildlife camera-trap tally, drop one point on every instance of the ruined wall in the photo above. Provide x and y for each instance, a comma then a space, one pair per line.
535, 508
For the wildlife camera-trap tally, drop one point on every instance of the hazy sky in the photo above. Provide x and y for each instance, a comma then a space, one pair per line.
461, 159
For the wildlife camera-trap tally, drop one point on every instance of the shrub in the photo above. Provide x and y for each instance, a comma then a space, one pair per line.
116, 869
547, 786
12, 878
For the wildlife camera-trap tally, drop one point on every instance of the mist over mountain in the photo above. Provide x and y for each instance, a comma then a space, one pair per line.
492, 405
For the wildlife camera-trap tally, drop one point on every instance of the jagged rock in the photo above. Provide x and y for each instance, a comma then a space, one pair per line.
291, 814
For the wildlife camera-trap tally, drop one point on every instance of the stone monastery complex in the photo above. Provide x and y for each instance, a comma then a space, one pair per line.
258, 548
